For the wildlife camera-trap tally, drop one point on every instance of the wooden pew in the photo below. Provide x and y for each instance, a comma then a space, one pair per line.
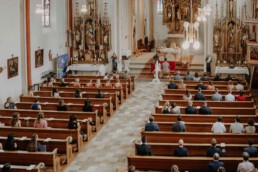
180, 97
89, 95
52, 122
200, 118
72, 89
193, 92
220, 110
50, 159
210, 103
193, 126
94, 101
220, 87
59, 133
193, 137
195, 149
24, 168
191, 164
72, 108
62, 145
213, 82
112, 81
53, 114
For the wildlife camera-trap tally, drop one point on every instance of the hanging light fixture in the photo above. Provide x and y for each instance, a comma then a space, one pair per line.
39, 7
84, 8
203, 12
191, 32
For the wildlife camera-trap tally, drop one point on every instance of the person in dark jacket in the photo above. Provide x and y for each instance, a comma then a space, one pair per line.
61, 106
100, 94
213, 149
200, 85
251, 149
205, 109
151, 125
87, 106
179, 126
181, 151
143, 149
190, 109
10, 143
213, 166
172, 85
199, 95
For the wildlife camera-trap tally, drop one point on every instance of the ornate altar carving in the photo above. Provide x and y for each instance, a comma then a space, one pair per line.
91, 34
176, 12
230, 33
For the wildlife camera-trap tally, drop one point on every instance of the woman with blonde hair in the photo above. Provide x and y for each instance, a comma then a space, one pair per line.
77, 83
108, 85
182, 85
210, 86
30, 92
40, 122
174, 168
35, 146
231, 85
89, 84
9, 104
15, 121
166, 108
98, 84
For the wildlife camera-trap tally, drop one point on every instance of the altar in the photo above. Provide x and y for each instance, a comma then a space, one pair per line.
87, 69
235, 71
171, 51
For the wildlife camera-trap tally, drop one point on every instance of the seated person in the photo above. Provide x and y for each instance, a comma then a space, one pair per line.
174, 168
77, 93
106, 77
213, 149
87, 106
35, 146
181, 151
181, 85
142, 148
55, 93
36, 105
204, 77
204, 110
188, 77
239, 86
125, 75
230, 85
9, 104
217, 78
61, 106
217, 96
245, 166
228, 78
62, 83
250, 128
175, 109
196, 77
89, 84
213, 166
230, 97
40, 122
166, 108
236, 127
187, 96
179, 126
172, 85
98, 84
190, 109
107, 84
30, 92
210, 86
10, 144
74, 124
199, 95
15, 121
250, 149
49, 82
200, 85
241, 97
151, 125
177, 77
100, 94
118, 84
218, 127
76, 83
165, 67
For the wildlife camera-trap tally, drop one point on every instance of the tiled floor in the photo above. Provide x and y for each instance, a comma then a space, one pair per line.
109, 148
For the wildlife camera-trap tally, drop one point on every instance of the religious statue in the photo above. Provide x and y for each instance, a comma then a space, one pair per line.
244, 47
231, 37
178, 13
208, 63
170, 15
231, 8
90, 36
216, 38
77, 39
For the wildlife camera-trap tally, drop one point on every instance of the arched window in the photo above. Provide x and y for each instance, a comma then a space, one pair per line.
46, 13
159, 6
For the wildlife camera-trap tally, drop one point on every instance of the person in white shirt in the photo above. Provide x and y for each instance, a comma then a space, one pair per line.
230, 97
237, 127
239, 86
218, 127
245, 166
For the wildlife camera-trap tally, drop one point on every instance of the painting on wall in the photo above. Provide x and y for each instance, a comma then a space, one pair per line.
12, 64
39, 58
254, 53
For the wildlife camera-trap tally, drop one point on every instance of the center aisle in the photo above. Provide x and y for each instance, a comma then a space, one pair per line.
109, 148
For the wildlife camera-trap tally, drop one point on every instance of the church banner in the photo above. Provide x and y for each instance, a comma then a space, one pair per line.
62, 63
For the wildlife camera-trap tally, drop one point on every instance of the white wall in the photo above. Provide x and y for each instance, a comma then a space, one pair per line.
48, 38
10, 44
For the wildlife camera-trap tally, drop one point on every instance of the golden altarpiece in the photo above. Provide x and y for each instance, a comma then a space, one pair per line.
175, 13
230, 34
91, 34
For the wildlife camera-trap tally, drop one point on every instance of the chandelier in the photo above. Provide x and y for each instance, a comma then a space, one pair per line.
203, 12
84, 8
39, 8
191, 32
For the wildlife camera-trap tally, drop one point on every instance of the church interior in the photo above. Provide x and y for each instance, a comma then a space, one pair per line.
128, 85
